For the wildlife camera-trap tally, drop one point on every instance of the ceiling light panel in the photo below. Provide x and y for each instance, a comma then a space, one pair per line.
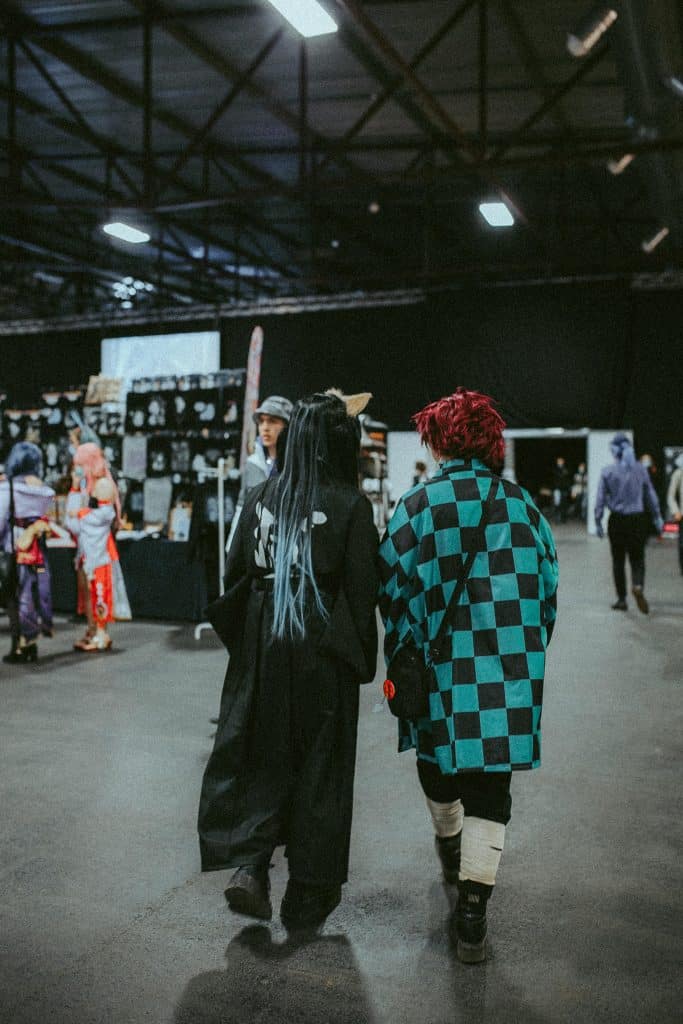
307, 16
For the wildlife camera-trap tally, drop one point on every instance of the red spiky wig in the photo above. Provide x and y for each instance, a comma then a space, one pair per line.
463, 425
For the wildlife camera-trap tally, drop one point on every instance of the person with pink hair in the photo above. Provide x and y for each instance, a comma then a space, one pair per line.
93, 511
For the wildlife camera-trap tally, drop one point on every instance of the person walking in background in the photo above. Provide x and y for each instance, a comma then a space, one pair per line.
674, 498
93, 510
298, 618
561, 489
579, 492
24, 503
271, 419
625, 488
484, 718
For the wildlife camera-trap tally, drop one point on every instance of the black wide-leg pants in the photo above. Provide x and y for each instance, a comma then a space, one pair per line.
627, 536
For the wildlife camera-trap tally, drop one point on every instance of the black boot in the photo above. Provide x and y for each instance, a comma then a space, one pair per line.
19, 654
248, 892
467, 925
448, 849
306, 906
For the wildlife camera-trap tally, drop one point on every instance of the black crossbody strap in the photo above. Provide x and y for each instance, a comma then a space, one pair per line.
11, 512
478, 545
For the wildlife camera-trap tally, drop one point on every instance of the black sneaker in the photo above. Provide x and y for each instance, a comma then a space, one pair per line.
467, 925
248, 892
620, 606
448, 850
641, 600
307, 906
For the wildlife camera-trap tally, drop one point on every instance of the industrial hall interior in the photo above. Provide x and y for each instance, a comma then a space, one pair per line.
341, 511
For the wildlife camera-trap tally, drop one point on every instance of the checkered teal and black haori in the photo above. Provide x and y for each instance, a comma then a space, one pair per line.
486, 715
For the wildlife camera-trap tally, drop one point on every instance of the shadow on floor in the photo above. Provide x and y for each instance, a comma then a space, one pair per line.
314, 981
183, 639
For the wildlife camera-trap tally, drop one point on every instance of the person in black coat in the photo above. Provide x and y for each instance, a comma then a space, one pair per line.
298, 618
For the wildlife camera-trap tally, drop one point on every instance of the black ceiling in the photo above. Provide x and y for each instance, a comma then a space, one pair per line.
264, 166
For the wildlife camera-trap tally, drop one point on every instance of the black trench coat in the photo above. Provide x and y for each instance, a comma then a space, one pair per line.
283, 762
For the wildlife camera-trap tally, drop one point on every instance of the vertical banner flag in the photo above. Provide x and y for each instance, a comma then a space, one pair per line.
251, 393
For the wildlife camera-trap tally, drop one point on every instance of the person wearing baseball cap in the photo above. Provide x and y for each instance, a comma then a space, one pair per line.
271, 417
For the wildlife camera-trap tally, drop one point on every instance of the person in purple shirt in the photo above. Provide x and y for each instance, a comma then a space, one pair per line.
626, 489
24, 501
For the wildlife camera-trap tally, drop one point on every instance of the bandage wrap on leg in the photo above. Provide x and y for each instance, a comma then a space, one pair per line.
481, 849
447, 818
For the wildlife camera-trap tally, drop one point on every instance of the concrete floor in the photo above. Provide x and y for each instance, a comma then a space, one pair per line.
105, 917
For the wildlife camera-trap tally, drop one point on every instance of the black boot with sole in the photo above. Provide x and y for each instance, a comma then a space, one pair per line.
467, 925
248, 892
307, 906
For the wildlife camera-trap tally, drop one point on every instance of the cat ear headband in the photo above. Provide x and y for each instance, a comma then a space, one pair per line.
355, 404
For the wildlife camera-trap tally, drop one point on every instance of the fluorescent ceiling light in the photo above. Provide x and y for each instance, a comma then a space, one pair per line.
125, 232
496, 214
307, 16
650, 244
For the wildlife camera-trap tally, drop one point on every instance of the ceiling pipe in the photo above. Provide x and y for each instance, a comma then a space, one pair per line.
648, 49
591, 29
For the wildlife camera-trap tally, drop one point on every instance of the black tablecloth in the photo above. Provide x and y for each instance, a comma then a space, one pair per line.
161, 582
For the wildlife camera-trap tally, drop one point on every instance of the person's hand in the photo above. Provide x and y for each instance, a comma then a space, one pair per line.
599, 530
677, 516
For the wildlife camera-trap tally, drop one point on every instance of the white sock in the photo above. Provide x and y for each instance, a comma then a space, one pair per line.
447, 818
482, 846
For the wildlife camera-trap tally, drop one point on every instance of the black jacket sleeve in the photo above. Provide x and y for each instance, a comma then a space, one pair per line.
351, 632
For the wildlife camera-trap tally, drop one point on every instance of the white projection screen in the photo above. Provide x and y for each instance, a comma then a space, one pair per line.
155, 355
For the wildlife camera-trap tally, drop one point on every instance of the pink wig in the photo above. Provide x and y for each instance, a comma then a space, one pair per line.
94, 465
463, 425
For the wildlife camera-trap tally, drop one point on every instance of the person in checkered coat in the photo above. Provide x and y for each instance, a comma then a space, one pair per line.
485, 717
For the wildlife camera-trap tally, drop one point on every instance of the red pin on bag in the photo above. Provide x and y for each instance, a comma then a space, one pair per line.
389, 689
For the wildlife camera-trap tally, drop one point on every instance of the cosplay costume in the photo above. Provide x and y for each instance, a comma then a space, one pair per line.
97, 555
486, 716
30, 612
625, 488
283, 762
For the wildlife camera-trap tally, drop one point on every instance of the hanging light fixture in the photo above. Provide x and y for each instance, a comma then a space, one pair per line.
592, 28
650, 244
617, 166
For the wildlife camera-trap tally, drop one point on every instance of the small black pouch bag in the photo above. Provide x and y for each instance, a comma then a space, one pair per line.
410, 679
8, 560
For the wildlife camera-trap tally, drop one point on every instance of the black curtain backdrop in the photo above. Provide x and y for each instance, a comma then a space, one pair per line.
593, 355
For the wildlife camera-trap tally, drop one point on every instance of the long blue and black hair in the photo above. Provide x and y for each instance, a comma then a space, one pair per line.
24, 459
322, 448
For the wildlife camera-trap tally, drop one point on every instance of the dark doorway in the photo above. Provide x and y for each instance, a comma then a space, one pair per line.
535, 461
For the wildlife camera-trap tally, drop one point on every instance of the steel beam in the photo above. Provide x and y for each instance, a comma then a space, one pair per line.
518, 135
483, 75
389, 90
220, 109
88, 132
427, 97
14, 169
148, 158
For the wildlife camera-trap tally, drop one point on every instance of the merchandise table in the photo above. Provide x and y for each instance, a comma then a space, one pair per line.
161, 581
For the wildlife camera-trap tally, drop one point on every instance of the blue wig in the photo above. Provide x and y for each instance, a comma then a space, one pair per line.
622, 450
25, 459
322, 448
